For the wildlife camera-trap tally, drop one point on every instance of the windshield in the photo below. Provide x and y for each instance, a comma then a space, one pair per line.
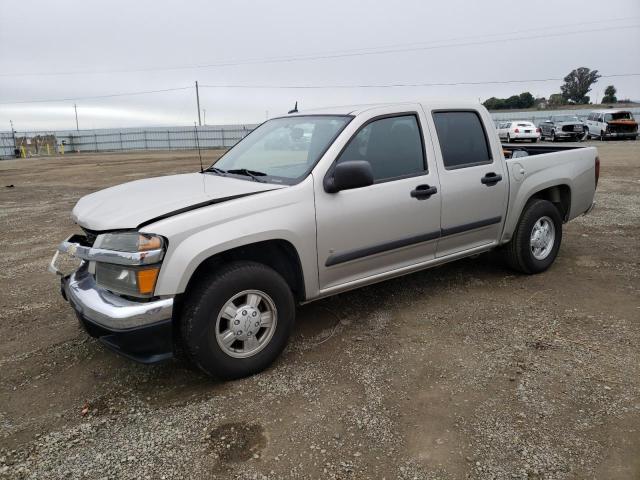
618, 116
282, 150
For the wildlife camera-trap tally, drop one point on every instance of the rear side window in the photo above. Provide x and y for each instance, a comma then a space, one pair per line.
393, 147
462, 139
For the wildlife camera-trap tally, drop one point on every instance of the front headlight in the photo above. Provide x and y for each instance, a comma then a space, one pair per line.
130, 262
129, 242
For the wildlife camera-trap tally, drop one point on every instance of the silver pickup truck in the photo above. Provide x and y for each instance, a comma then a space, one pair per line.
210, 265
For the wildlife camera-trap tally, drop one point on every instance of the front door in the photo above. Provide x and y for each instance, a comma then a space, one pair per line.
474, 186
376, 229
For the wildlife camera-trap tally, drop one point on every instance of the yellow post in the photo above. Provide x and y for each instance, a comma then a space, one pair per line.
48, 151
23, 153
62, 149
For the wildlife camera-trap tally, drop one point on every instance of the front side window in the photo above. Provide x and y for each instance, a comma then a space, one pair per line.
392, 146
282, 150
462, 139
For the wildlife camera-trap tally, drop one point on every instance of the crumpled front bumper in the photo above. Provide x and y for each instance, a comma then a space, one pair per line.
624, 135
138, 330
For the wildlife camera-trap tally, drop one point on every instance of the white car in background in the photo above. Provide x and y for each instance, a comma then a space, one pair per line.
518, 130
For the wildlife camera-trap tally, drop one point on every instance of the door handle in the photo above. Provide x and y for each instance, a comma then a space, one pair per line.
491, 178
422, 192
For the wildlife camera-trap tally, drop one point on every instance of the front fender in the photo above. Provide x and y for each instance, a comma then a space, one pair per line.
285, 214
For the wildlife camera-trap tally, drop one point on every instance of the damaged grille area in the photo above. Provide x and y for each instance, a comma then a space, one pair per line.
91, 237
623, 127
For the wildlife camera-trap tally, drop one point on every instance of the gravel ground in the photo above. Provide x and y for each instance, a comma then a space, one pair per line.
464, 371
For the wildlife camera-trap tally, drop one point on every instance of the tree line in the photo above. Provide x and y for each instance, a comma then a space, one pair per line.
577, 84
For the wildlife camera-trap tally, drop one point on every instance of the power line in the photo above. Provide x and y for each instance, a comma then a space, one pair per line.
397, 48
387, 85
396, 85
73, 99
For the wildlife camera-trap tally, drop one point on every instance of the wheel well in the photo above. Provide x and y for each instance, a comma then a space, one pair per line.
280, 255
560, 196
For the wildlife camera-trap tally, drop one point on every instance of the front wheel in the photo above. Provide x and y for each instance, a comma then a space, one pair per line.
237, 320
537, 238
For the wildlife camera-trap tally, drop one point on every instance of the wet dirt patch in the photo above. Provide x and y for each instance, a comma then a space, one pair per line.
237, 442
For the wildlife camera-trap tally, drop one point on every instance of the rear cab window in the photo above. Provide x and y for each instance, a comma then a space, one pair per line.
463, 139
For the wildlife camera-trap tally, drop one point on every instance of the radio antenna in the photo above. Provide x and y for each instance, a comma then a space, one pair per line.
195, 128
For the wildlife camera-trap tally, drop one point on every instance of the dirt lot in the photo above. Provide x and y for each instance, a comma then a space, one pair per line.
465, 371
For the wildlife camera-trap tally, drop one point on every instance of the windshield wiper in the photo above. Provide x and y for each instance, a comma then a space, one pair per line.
249, 173
216, 170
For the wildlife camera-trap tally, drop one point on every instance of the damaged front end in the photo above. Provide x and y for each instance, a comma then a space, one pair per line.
108, 279
622, 128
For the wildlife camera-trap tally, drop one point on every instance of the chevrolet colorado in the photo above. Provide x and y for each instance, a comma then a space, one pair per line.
210, 265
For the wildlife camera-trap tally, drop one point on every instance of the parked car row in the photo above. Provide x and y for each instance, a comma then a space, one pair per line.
602, 124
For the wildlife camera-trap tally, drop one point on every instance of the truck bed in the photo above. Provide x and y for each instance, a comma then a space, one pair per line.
534, 168
510, 149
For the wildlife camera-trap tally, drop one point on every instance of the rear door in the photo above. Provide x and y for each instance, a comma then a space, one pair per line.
388, 225
474, 185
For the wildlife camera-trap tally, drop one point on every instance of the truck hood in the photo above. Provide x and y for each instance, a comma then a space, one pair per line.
568, 122
134, 203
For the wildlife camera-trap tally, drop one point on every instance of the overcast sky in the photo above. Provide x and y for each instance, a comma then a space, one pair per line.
85, 48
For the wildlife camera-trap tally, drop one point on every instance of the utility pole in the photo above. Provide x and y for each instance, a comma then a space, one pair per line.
13, 134
198, 102
75, 107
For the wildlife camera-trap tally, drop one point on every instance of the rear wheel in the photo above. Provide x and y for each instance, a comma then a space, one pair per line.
237, 320
537, 238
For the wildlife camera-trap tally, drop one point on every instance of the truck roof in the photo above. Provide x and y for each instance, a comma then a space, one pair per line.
611, 110
360, 108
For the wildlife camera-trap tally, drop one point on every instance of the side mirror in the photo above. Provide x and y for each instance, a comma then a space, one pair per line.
347, 175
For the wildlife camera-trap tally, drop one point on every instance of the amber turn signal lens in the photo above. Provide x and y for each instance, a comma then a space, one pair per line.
146, 243
147, 280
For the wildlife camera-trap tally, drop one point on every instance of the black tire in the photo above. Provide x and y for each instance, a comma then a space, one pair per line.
518, 250
534, 140
209, 296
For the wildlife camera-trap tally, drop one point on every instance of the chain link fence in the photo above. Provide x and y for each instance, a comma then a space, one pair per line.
43, 143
